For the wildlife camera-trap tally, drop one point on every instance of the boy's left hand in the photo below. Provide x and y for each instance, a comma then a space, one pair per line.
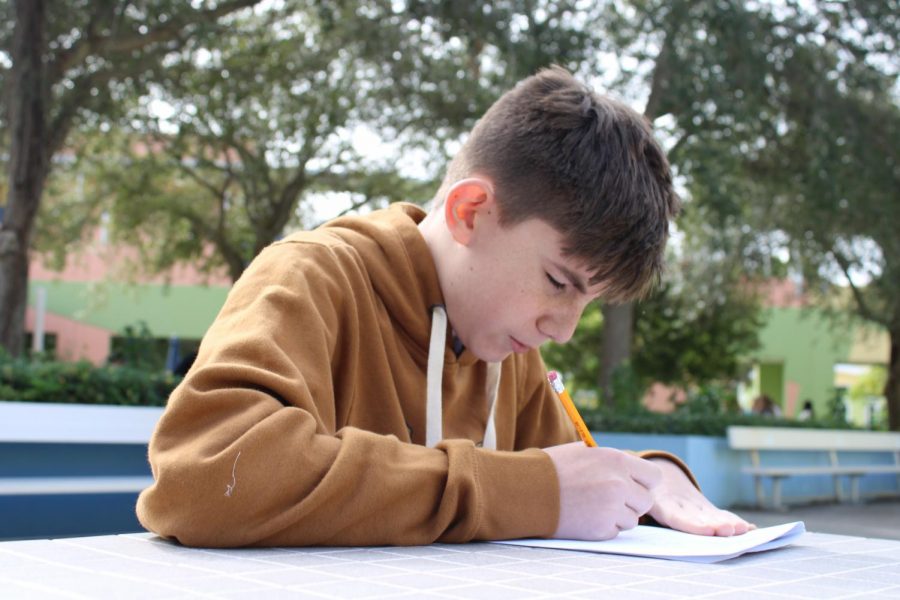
678, 504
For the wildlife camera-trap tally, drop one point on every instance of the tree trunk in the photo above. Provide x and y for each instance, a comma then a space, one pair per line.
892, 386
28, 167
618, 321
618, 331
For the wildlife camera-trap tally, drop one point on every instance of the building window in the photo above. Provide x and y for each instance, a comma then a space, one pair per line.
49, 344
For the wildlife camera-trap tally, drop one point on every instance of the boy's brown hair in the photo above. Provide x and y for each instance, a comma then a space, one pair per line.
587, 165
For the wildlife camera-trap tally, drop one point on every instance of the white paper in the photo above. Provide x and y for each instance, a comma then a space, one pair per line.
659, 542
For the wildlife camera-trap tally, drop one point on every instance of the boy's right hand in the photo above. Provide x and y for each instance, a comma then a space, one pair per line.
602, 491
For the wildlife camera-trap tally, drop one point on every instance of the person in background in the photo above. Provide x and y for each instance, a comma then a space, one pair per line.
806, 413
765, 406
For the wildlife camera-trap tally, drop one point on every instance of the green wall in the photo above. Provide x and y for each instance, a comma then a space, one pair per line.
771, 381
802, 346
183, 311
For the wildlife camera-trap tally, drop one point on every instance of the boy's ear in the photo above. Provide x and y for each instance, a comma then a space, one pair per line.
467, 199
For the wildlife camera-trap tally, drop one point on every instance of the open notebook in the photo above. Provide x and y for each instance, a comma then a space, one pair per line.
659, 542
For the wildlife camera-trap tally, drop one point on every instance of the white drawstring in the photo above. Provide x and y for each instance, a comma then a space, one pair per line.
492, 385
434, 420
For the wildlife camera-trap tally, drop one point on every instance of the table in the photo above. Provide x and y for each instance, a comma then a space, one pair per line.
145, 566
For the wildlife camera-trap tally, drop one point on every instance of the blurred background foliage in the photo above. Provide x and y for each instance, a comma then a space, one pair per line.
42, 380
203, 131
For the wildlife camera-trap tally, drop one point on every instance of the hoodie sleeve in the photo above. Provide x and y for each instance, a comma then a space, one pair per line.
249, 450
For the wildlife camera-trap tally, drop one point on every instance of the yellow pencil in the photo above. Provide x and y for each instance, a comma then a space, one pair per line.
556, 383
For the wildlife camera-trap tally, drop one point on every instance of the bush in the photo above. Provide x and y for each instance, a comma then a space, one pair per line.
82, 383
686, 423
710, 410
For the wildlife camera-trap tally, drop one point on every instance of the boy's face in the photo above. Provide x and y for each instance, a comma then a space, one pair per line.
508, 289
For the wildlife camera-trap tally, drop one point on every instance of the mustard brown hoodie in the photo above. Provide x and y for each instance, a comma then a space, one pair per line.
302, 421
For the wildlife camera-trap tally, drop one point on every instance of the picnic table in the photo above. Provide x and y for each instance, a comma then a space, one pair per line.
145, 566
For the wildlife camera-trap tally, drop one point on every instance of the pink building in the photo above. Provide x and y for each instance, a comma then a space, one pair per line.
96, 295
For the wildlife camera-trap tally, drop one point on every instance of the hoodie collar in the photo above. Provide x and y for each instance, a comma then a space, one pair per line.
402, 271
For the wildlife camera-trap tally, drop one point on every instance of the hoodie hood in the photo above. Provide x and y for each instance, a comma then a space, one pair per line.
395, 254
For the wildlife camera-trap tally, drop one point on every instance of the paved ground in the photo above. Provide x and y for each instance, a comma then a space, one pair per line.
878, 519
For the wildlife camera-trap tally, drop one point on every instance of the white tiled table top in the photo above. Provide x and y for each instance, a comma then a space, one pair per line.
144, 566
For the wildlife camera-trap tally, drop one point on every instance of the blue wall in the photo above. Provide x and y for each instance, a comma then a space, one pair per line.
60, 515
65, 515
718, 468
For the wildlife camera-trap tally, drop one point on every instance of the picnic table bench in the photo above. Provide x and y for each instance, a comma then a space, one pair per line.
837, 444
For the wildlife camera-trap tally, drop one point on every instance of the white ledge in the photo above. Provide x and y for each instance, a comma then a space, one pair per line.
26, 486
36, 422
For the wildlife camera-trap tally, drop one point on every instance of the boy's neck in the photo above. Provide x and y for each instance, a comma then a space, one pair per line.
458, 347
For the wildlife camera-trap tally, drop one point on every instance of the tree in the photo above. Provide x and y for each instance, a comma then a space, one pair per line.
28, 166
698, 326
262, 117
703, 322
690, 58
834, 175
449, 61
766, 102
257, 119
820, 164
66, 68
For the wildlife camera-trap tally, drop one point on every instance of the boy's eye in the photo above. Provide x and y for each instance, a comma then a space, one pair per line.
558, 285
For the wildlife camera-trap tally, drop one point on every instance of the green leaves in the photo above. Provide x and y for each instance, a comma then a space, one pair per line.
702, 324
689, 423
82, 383
244, 127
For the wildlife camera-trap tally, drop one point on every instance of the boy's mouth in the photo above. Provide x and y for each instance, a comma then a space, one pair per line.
518, 346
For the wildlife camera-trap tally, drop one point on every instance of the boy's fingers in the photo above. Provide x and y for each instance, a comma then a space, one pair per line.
627, 521
730, 524
725, 530
698, 526
645, 473
602, 490
721, 524
640, 501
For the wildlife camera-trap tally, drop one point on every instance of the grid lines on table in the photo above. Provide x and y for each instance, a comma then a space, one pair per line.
143, 566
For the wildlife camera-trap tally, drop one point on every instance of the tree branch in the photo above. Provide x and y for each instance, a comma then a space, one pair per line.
80, 50
78, 96
217, 193
355, 206
123, 43
294, 187
864, 309
248, 160
68, 107
659, 82
233, 258
676, 147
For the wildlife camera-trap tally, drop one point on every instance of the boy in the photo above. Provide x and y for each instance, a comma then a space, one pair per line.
377, 381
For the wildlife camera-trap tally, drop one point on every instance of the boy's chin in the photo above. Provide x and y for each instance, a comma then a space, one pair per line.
483, 349
490, 356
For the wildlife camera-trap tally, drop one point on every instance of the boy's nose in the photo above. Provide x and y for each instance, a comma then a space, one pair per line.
560, 326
